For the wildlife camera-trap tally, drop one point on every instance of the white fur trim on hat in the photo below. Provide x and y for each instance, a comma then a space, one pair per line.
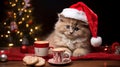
96, 41
74, 13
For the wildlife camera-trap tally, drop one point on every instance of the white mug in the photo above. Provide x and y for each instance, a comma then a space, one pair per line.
41, 48
59, 55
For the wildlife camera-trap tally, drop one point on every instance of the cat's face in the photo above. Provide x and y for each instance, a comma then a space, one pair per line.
72, 28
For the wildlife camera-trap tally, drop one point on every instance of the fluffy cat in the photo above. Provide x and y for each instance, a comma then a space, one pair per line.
72, 35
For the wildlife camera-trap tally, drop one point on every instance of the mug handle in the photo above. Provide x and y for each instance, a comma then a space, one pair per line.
67, 56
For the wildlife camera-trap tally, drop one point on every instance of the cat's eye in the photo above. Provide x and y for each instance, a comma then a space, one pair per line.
76, 28
67, 26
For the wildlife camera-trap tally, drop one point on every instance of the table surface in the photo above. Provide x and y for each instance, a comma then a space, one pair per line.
78, 63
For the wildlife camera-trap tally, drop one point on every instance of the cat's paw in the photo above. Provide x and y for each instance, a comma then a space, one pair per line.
80, 52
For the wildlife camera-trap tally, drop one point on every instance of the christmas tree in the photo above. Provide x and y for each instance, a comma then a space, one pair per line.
18, 27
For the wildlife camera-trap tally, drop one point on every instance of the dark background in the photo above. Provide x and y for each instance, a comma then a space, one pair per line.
45, 12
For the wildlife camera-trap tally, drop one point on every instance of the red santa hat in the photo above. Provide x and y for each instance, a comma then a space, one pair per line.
82, 12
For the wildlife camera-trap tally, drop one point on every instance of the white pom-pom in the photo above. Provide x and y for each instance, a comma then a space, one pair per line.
96, 41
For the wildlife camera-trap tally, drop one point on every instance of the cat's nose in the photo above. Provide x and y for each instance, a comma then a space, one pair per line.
71, 32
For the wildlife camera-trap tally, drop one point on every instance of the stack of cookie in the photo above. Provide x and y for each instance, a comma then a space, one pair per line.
33, 61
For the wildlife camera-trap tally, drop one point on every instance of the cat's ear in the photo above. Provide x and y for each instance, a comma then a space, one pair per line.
61, 17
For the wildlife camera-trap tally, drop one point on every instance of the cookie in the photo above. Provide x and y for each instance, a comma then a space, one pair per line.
30, 60
41, 62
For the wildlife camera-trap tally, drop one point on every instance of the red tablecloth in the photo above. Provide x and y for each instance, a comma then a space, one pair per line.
15, 54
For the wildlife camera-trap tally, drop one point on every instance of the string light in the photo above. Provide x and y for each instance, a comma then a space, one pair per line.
20, 40
4, 23
2, 36
35, 39
10, 44
22, 9
27, 25
31, 30
18, 32
36, 28
10, 2
8, 32
20, 22
30, 33
30, 11
25, 10
28, 16
23, 3
21, 33
13, 5
6, 36
14, 14
23, 19
18, 9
